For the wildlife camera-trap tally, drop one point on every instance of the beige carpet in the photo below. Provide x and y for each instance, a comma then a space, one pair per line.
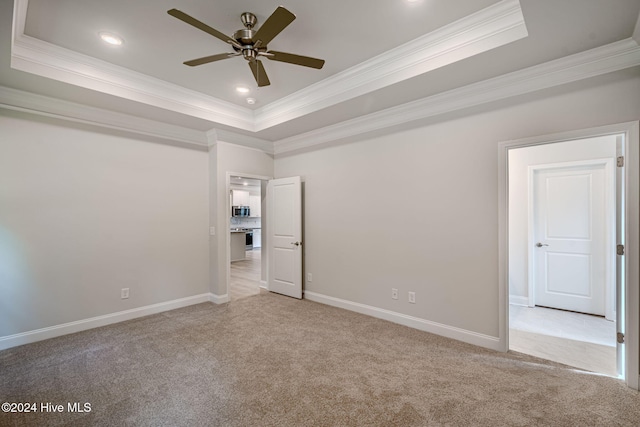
269, 360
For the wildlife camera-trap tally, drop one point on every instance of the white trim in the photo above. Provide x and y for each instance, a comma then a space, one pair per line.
18, 100
29, 52
601, 60
494, 26
632, 232
632, 251
95, 322
215, 135
263, 285
459, 334
489, 28
518, 300
46, 59
219, 299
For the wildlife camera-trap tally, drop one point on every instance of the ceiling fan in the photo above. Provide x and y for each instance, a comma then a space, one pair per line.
251, 44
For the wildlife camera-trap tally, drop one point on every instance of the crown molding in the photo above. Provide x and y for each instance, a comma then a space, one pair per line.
484, 30
605, 59
489, 28
48, 60
18, 100
219, 135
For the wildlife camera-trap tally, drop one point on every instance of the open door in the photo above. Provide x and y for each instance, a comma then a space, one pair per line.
284, 198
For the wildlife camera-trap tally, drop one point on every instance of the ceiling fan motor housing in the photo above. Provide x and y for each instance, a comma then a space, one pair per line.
244, 37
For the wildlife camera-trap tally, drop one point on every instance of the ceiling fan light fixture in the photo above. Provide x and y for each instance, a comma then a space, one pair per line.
110, 38
251, 44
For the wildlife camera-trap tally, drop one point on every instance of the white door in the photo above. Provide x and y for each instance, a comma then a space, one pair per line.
284, 199
570, 238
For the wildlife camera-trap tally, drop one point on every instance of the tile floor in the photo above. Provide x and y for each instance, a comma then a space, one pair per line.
563, 324
575, 339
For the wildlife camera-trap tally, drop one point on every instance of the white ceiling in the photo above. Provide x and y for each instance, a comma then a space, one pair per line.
447, 45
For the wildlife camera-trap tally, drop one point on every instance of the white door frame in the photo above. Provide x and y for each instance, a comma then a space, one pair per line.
610, 228
630, 131
264, 251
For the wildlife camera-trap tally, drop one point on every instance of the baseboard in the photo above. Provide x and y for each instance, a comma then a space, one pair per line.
219, 299
516, 300
413, 322
95, 322
263, 285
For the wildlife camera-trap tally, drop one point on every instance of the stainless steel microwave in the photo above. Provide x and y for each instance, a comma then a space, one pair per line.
240, 210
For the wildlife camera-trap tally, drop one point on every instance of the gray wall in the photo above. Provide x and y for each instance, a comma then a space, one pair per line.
418, 209
86, 212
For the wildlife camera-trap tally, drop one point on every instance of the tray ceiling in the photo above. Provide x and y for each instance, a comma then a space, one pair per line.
379, 54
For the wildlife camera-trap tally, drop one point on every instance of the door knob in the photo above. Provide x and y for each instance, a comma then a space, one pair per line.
541, 244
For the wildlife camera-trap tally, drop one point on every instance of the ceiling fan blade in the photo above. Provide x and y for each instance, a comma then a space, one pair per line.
211, 58
290, 58
259, 73
202, 26
277, 22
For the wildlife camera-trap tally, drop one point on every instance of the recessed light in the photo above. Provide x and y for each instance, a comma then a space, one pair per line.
242, 89
112, 39
251, 101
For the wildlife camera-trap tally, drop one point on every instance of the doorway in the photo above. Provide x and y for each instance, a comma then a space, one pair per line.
245, 269
548, 332
569, 245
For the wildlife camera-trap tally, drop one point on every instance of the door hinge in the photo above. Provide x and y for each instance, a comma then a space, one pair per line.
620, 161
620, 337
620, 249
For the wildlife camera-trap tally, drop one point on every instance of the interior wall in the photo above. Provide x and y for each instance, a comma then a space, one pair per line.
85, 212
227, 158
416, 209
519, 161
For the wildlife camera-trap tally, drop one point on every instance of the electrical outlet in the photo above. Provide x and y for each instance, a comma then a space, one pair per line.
124, 293
212, 231
412, 297
309, 277
394, 293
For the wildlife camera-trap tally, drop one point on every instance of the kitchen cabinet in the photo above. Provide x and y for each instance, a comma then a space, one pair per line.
255, 206
240, 198
257, 238
238, 246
